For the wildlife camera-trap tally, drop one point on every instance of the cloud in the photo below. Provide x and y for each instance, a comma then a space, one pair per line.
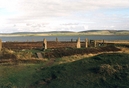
52, 8
45, 15
70, 24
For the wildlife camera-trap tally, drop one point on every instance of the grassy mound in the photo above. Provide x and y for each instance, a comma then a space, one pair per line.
101, 71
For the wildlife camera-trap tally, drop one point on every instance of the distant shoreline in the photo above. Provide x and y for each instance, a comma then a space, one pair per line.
59, 34
67, 33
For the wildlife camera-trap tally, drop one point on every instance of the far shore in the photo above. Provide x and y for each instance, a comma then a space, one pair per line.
57, 34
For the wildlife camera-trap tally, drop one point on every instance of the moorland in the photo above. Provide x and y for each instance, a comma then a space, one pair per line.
92, 67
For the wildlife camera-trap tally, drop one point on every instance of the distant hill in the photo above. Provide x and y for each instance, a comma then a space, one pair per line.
87, 32
107, 32
42, 32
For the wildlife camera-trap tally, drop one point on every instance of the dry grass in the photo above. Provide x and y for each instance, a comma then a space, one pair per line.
10, 57
67, 59
106, 69
28, 56
124, 50
117, 41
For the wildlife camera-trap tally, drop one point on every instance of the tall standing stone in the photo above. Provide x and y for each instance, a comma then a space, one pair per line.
78, 43
103, 42
0, 45
94, 43
56, 39
86, 42
44, 44
71, 40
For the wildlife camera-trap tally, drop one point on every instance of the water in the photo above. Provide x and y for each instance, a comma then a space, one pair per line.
65, 38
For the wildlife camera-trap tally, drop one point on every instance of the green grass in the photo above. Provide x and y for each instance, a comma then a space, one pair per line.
101, 71
17, 76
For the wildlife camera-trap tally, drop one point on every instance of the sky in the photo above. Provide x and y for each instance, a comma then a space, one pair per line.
63, 15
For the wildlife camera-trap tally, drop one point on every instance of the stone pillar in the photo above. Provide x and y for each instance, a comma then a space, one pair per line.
103, 42
0, 45
44, 44
71, 40
78, 43
86, 42
56, 39
94, 43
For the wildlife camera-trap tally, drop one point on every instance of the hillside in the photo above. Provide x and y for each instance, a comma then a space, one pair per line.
60, 33
106, 32
43, 32
101, 71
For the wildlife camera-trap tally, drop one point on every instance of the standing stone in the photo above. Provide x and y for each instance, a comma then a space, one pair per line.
94, 43
71, 40
86, 42
0, 45
103, 42
78, 43
56, 39
44, 44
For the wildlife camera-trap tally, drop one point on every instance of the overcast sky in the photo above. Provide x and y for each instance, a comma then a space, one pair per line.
63, 15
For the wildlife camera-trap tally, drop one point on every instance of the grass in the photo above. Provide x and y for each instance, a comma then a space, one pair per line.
108, 70
17, 76
101, 71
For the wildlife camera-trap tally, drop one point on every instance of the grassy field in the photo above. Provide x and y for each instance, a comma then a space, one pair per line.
108, 70
101, 71
17, 76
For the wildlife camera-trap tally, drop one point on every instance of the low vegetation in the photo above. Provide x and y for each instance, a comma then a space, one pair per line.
8, 56
25, 55
101, 71
17, 76
107, 70
58, 53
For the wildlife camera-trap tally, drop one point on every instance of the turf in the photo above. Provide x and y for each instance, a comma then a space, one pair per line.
17, 76
101, 71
